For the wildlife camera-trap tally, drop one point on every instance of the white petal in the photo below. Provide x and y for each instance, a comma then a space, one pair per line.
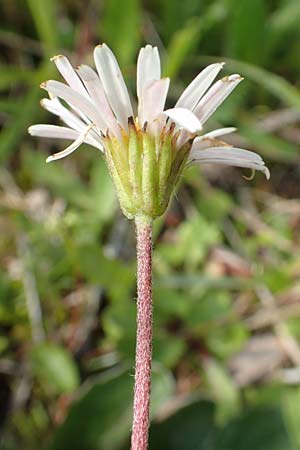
219, 132
153, 100
56, 132
215, 96
55, 107
52, 131
76, 100
231, 156
229, 152
65, 68
184, 118
71, 148
148, 68
197, 88
113, 83
96, 91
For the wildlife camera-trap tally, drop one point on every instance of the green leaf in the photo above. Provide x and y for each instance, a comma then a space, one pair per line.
190, 428
120, 27
185, 250
17, 124
44, 15
98, 269
271, 82
284, 19
103, 414
259, 429
102, 190
175, 13
268, 144
245, 36
223, 390
62, 182
55, 368
291, 415
10, 75
184, 41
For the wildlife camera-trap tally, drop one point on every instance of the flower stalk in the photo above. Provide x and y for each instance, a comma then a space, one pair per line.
143, 356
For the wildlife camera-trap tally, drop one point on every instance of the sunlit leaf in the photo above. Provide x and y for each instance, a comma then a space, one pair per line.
55, 368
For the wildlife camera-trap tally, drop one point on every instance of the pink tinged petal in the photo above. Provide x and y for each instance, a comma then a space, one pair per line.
215, 96
230, 156
148, 68
71, 148
113, 83
76, 100
96, 91
219, 132
153, 100
197, 88
65, 68
185, 119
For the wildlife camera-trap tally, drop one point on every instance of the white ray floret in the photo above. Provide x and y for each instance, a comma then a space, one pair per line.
113, 83
65, 68
53, 131
230, 156
219, 132
148, 68
185, 119
153, 100
216, 96
197, 88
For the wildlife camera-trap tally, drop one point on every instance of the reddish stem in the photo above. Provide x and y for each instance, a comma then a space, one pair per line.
143, 356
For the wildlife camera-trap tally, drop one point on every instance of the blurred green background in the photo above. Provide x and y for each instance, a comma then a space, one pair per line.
226, 263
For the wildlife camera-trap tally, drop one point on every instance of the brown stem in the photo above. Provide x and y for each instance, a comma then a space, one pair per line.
143, 356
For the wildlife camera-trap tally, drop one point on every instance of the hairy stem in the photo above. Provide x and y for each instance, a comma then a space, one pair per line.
143, 356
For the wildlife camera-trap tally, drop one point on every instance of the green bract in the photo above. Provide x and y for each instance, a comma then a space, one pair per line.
145, 169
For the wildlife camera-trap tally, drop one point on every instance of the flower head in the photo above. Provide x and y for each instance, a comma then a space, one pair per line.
145, 152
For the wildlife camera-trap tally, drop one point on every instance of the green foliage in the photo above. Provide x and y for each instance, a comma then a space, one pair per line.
120, 27
246, 30
103, 413
54, 368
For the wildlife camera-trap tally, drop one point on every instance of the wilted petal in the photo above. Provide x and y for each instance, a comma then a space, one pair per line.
185, 119
153, 100
197, 88
65, 68
230, 156
215, 97
148, 68
71, 148
113, 83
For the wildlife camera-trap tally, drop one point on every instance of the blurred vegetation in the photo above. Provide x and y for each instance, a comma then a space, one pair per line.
226, 263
